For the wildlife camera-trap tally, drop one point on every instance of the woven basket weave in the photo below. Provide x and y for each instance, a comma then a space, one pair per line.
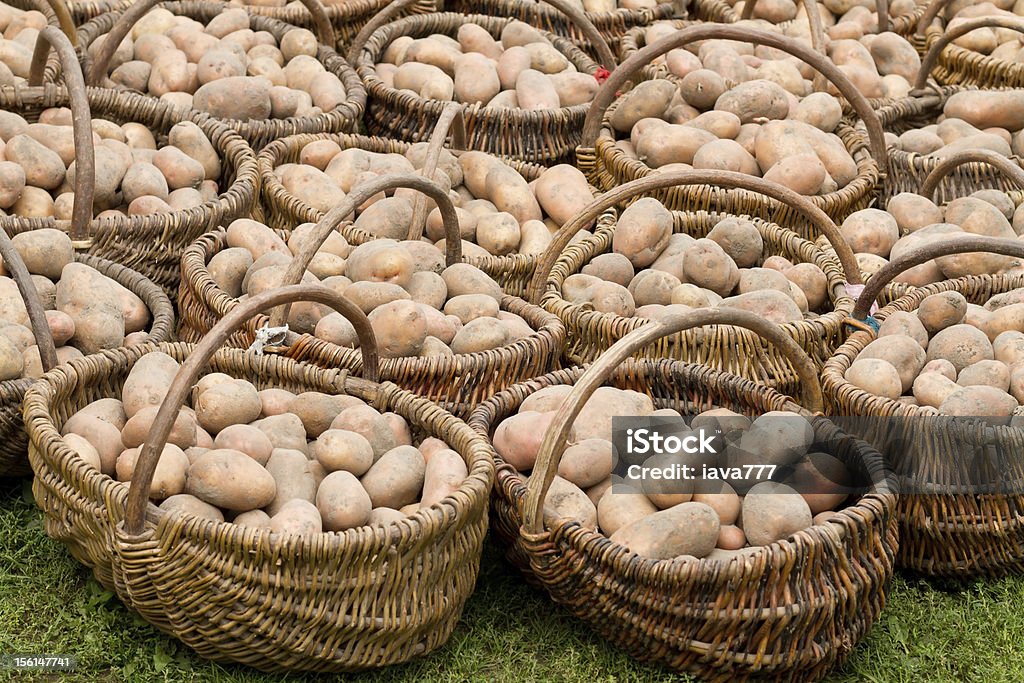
786, 613
955, 65
345, 601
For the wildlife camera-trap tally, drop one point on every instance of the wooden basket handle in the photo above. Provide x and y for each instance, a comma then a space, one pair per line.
321, 23
451, 118
951, 34
36, 314
579, 18
813, 21
149, 454
924, 254
328, 224
930, 13
597, 374
81, 122
1002, 164
606, 95
658, 181
381, 18
64, 18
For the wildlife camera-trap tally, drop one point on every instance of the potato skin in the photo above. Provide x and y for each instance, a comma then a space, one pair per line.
230, 480
684, 529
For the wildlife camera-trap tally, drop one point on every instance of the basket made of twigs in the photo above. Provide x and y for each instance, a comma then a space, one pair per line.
955, 65
345, 601
785, 612
944, 533
732, 349
458, 382
722, 12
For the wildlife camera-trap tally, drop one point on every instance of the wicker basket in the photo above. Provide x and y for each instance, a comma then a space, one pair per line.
607, 166
353, 600
284, 211
546, 136
457, 382
551, 17
731, 349
950, 534
722, 12
955, 65
151, 244
345, 117
785, 613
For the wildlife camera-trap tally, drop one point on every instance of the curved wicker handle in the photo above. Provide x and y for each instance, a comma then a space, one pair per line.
813, 22
64, 18
149, 454
597, 374
924, 254
882, 8
327, 225
657, 181
81, 122
1009, 169
930, 12
36, 314
606, 95
381, 18
930, 57
122, 25
579, 18
451, 118
321, 23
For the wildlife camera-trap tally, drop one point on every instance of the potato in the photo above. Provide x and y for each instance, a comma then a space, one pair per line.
903, 353
720, 496
247, 439
257, 519
138, 427
45, 251
190, 505
228, 404
986, 372
85, 450
148, 381
979, 401
987, 109
168, 477
292, 478
380, 261
773, 512
517, 439
231, 480
587, 462
317, 411
667, 144
400, 328
284, 431
444, 474
370, 424
567, 502
612, 267
642, 232
343, 502
649, 99
685, 529
236, 97
875, 376
298, 517
870, 231
463, 278
622, 505
904, 324
42, 166
480, 334
756, 99
962, 345
939, 311
338, 449
702, 88
396, 478
12, 183
562, 192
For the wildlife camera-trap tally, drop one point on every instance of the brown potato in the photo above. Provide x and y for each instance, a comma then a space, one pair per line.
230, 480
685, 529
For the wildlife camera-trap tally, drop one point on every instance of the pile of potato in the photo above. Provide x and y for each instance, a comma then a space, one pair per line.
661, 519
875, 235
133, 175
294, 464
500, 213
522, 70
956, 357
86, 311
20, 31
653, 273
992, 120
224, 68
416, 306
999, 43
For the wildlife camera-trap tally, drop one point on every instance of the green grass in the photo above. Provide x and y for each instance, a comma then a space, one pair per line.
49, 604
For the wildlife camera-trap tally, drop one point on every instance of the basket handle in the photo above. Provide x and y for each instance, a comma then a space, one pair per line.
64, 18
81, 117
321, 23
924, 254
579, 18
597, 374
122, 25
930, 13
813, 21
657, 181
951, 34
36, 314
451, 118
331, 219
1009, 169
606, 95
149, 454
381, 18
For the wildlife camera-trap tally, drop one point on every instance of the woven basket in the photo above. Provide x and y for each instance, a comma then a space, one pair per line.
722, 12
955, 65
345, 117
284, 211
13, 441
786, 613
539, 13
152, 244
951, 534
457, 382
347, 601
546, 136
56, 12
607, 166
731, 349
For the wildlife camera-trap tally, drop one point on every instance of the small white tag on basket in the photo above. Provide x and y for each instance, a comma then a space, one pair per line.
855, 291
268, 336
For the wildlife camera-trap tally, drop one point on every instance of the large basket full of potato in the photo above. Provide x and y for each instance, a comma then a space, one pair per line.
747, 579
524, 91
260, 77
937, 388
506, 209
447, 331
977, 47
154, 182
653, 264
291, 518
58, 305
749, 128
